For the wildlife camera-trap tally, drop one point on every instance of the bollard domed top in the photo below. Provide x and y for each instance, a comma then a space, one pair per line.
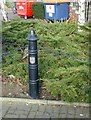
32, 36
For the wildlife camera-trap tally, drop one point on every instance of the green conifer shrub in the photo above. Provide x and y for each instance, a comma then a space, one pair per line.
38, 10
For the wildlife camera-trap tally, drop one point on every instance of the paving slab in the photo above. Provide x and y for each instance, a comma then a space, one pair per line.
31, 108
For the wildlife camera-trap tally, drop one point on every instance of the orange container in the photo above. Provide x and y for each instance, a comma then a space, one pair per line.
24, 7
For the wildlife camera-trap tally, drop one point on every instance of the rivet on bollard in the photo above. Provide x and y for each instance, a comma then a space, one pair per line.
33, 64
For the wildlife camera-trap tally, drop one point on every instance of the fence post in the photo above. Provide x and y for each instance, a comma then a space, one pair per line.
33, 64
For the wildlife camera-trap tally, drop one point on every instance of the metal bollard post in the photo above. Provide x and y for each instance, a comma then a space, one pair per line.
33, 64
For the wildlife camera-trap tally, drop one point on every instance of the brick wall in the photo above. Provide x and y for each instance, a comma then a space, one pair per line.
73, 14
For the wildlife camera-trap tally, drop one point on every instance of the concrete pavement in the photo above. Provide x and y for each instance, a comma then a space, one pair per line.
30, 108
10, 14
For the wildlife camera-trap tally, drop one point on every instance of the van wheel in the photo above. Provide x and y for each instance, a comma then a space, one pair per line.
33, 16
25, 17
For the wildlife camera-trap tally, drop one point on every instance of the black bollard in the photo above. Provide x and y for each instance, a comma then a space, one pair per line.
33, 64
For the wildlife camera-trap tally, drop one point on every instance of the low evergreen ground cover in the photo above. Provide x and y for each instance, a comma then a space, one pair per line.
63, 57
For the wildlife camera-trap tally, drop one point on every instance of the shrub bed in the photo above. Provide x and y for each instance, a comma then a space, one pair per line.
62, 58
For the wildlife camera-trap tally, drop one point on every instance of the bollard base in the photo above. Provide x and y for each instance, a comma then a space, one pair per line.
34, 89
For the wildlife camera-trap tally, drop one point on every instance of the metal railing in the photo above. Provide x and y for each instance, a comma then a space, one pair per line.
58, 53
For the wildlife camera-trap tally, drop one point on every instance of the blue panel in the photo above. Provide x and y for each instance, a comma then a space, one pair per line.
61, 11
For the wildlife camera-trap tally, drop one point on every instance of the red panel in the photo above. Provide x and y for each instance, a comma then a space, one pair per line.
24, 8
